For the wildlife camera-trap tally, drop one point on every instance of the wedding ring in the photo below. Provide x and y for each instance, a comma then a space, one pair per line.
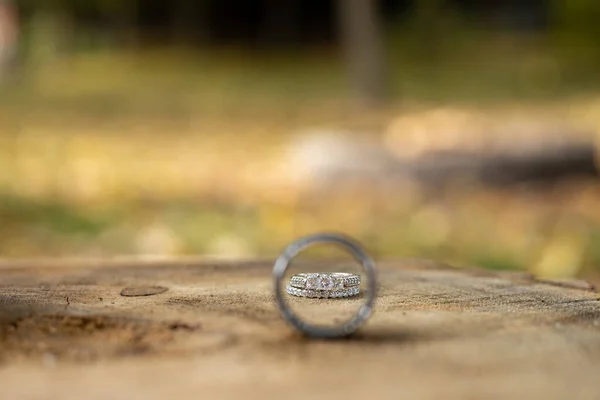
324, 280
324, 285
283, 263
323, 294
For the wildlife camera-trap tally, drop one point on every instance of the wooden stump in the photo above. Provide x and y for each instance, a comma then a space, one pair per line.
192, 330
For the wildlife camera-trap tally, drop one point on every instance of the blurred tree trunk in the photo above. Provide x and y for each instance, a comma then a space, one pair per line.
429, 20
190, 21
282, 24
362, 41
126, 20
9, 38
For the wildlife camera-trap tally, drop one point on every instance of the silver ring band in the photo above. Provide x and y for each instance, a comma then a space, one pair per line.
283, 263
323, 294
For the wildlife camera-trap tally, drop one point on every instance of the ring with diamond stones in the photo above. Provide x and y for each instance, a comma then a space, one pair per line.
324, 285
323, 294
323, 280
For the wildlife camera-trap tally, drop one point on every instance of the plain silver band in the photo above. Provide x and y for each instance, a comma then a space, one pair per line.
282, 264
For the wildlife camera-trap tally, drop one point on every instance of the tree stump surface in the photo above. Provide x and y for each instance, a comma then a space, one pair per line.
198, 329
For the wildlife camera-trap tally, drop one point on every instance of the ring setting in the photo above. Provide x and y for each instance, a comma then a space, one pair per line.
324, 285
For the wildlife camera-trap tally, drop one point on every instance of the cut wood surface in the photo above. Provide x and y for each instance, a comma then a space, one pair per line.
203, 330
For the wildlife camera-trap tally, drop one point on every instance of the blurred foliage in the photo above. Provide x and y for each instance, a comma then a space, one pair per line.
108, 151
580, 17
160, 185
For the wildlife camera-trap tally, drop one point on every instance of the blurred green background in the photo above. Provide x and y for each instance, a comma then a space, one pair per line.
228, 128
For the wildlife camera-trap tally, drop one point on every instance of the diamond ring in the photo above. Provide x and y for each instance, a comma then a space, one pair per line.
320, 284
324, 280
322, 294
324, 285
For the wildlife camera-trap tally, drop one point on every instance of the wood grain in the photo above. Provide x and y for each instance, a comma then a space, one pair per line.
438, 332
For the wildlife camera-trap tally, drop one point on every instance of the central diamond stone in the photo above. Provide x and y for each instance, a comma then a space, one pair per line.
322, 282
